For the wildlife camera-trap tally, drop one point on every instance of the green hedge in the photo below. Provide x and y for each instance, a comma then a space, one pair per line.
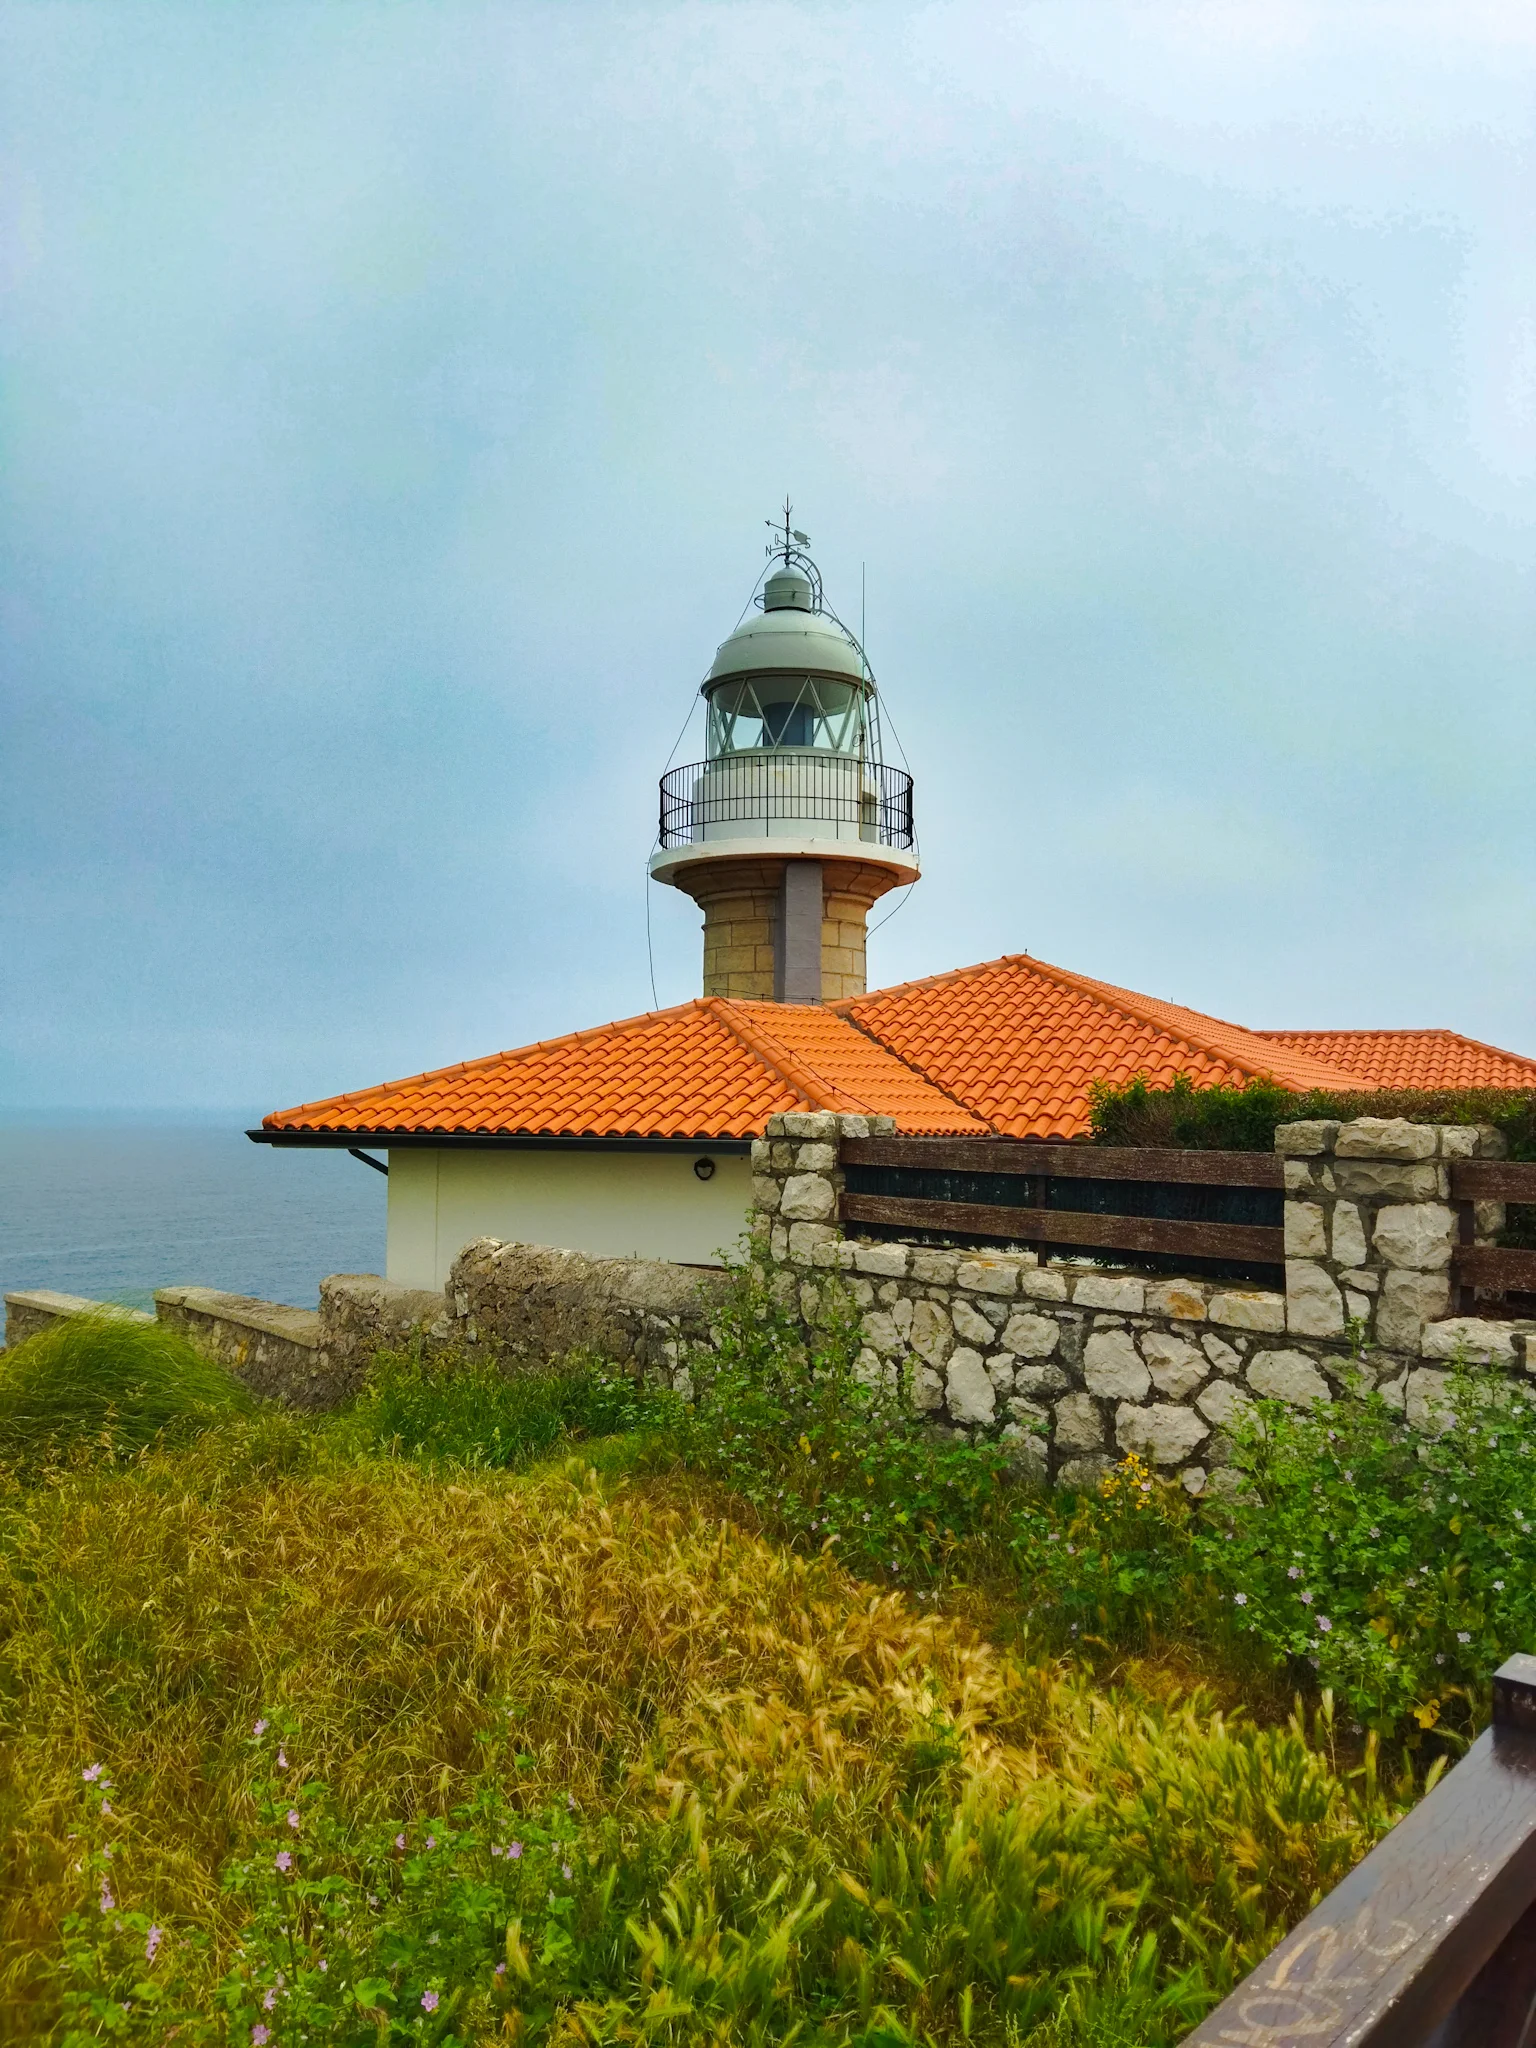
1230, 1119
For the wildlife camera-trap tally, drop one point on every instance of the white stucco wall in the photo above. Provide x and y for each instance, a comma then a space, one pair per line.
609, 1204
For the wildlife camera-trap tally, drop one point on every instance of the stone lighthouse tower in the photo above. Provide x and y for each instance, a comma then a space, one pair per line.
792, 826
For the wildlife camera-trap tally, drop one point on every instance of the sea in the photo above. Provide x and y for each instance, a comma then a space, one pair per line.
114, 1207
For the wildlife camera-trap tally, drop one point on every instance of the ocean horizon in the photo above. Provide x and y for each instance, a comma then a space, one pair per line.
112, 1204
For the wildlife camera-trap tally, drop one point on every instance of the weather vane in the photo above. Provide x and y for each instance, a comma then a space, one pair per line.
792, 535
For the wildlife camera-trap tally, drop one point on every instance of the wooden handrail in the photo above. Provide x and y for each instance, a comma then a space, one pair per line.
1258, 1243
1069, 1162
1431, 1941
1502, 1269
1493, 1180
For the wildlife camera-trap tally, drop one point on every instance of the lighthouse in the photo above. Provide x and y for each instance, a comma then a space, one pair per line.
793, 825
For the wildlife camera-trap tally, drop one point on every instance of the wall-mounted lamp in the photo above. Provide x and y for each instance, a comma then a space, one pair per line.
704, 1169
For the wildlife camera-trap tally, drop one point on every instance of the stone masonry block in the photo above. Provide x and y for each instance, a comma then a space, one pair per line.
805, 1237
1113, 1368
816, 1158
970, 1394
765, 1194
801, 1123
934, 1269
1287, 1376
1177, 1368
1042, 1285
1246, 1309
1222, 1356
1164, 1433
807, 1198
1349, 1248
1409, 1301
932, 1337
1428, 1400
1182, 1300
888, 1261
971, 1324
1223, 1404
1313, 1305
1380, 1180
1099, 1290
988, 1276
1305, 1140
1031, 1336
1079, 1425
1416, 1234
1305, 1235
1476, 1341
1384, 1137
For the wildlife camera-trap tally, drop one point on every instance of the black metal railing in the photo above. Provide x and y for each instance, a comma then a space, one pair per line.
754, 791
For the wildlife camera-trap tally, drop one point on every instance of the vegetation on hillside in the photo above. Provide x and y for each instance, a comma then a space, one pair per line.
756, 1719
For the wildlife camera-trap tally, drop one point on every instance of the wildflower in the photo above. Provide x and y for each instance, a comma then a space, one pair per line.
282, 1759
565, 1872
1306, 1599
1374, 1534
1439, 1656
429, 2001
324, 1964
1293, 1571
260, 2034
433, 1939
373, 1898
1324, 1623
105, 1807
261, 1728
1463, 1635
399, 1841
154, 1941
515, 1851
431, 1841
108, 1903
494, 1850
284, 1860
269, 2001
1498, 1585
91, 1773
1239, 1599
500, 1970
293, 1818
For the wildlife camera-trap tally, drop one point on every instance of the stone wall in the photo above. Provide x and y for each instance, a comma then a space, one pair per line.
30, 1310
1074, 1365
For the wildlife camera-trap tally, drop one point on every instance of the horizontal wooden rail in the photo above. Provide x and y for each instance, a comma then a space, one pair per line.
1431, 1941
1253, 1242
1069, 1162
1498, 1268
1493, 1180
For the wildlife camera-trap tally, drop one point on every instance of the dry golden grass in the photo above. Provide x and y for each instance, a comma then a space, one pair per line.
638, 1653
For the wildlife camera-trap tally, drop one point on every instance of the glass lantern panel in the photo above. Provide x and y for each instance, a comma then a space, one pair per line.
763, 712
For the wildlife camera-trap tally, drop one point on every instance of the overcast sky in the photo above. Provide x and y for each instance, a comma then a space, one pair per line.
394, 395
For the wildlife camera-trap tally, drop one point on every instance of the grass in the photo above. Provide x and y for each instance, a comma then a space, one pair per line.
282, 1697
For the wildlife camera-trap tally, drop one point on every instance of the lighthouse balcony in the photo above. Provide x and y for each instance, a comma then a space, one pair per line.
786, 794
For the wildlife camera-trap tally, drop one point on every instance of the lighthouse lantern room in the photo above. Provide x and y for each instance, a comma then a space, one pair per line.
793, 826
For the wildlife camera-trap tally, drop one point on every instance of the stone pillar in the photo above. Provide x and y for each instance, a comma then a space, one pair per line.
797, 948
754, 907
1369, 1226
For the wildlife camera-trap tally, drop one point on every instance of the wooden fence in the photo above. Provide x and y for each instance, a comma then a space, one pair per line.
1431, 1941
1190, 1209
1496, 1270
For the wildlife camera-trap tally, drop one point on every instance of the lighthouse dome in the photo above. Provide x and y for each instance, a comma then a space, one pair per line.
787, 638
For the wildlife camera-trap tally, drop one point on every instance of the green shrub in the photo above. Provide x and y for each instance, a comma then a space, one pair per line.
466, 1409
1400, 1569
825, 1450
106, 1382
1243, 1119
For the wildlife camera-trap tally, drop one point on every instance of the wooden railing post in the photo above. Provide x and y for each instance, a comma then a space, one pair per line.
1431, 1941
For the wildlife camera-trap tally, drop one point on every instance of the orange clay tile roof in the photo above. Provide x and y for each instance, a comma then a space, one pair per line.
1413, 1059
1020, 1042
709, 1068
1010, 1046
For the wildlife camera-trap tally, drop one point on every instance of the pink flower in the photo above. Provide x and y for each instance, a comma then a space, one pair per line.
1306, 1599
282, 1759
500, 1970
284, 1860
261, 1727
565, 1871
154, 1941
429, 2001
399, 1841
431, 1841
515, 1851
1239, 1599
260, 2034
293, 1818
105, 1807
269, 2001
91, 1773
108, 1903
1324, 1623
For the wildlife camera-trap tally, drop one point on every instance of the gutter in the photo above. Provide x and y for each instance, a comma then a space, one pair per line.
493, 1141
